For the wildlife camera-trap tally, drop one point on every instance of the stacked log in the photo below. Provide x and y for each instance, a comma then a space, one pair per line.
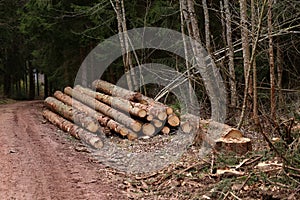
107, 109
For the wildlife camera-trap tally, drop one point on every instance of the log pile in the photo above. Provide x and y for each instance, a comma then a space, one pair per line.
108, 109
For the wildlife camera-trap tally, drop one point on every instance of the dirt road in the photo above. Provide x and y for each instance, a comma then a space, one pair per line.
37, 162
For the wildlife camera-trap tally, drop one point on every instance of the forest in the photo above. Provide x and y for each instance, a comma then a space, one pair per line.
254, 44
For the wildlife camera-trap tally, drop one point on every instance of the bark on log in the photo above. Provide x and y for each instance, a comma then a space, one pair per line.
74, 130
102, 119
72, 114
114, 90
105, 109
115, 102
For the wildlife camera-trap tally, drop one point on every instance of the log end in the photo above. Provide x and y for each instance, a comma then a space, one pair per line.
132, 136
136, 127
162, 115
173, 120
142, 113
165, 130
148, 129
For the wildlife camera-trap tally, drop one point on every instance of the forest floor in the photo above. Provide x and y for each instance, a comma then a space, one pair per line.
38, 161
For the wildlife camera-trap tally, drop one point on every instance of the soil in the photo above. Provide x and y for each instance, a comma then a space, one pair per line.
40, 162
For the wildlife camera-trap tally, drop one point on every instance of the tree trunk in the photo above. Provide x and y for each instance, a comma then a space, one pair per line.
72, 114
118, 10
114, 102
73, 129
31, 81
271, 60
102, 119
246, 56
187, 64
255, 96
232, 79
206, 25
105, 109
46, 88
37, 83
279, 58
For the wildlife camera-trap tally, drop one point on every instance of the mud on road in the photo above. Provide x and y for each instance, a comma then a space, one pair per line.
39, 162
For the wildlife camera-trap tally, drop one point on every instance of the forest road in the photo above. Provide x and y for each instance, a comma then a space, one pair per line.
39, 162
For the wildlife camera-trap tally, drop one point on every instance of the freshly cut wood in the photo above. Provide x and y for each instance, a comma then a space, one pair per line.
114, 90
157, 123
102, 119
72, 114
238, 145
148, 129
173, 120
74, 130
230, 139
115, 102
165, 130
152, 111
105, 109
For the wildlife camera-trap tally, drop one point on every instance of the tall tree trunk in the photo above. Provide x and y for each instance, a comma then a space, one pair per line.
255, 104
254, 46
271, 60
233, 99
128, 54
246, 55
46, 89
187, 64
206, 25
31, 81
279, 58
125, 54
37, 83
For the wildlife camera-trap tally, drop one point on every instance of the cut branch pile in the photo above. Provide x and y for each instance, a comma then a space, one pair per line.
111, 109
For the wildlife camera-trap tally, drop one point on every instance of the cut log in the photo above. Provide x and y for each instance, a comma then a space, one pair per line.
115, 102
165, 130
102, 119
148, 129
173, 120
157, 123
226, 130
114, 90
74, 130
72, 114
230, 139
152, 111
105, 109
